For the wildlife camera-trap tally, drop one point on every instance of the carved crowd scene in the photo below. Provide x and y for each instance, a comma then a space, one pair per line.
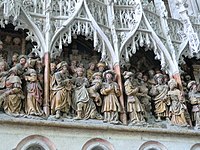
84, 87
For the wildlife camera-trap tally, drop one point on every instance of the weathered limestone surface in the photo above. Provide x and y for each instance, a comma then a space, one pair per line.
72, 135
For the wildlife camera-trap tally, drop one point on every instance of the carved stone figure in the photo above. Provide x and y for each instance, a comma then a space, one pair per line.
161, 102
34, 94
177, 107
194, 98
8, 39
40, 71
75, 56
52, 71
52, 68
110, 90
12, 95
82, 103
3, 74
101, 66
134, 107
22, 66
151, 80
73, 67
166, 78
95, 87
144, 97
60, 98
90, 71
14, 60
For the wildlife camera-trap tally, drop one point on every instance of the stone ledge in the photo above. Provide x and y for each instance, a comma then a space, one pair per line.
94, 125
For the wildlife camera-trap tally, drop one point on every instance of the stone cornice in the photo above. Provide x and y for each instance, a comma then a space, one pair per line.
96, 125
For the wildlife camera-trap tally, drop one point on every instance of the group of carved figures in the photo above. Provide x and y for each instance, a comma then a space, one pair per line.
79, 93
21, 86
156, 95
74, 89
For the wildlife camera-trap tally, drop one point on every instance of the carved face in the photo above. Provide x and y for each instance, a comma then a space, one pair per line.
81, 65
22, 61
151, 73
73, 63
166, 80
15, 58
194, 87
139, 75
97, 78
101, 68
172, 85
64, 68
79, 72
53, 67
8, 39
145, 78
92, 66
109, 76
160, 80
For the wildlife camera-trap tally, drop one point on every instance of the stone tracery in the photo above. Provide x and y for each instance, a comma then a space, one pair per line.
82, 25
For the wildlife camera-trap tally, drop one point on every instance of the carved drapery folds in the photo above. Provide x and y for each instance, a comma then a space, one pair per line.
117, 29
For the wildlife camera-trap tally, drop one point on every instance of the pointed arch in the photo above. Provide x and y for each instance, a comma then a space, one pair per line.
95, 27
172, 64
145, 31
102, 34
22, 20
181, 49
32, 26
65, 24
132, 32
162, 53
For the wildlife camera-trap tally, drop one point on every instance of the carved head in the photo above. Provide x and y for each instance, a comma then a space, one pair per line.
97, 76
101, 66
127, 74
159, 78
151, 73
172, 84
80, 71
92, 66
8, 39
53, 67
16, 41
145, 78
22, 59
15, 57
73, 63
62, 66
32, 72
139, 75
192, 85
109, 75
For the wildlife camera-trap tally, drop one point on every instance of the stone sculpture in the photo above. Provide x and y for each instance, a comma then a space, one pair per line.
110, 91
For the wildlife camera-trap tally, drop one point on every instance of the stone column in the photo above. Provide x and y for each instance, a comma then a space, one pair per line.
123, 116
177, 77
46, 84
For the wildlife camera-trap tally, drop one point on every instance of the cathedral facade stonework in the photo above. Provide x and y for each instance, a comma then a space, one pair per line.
99, 75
